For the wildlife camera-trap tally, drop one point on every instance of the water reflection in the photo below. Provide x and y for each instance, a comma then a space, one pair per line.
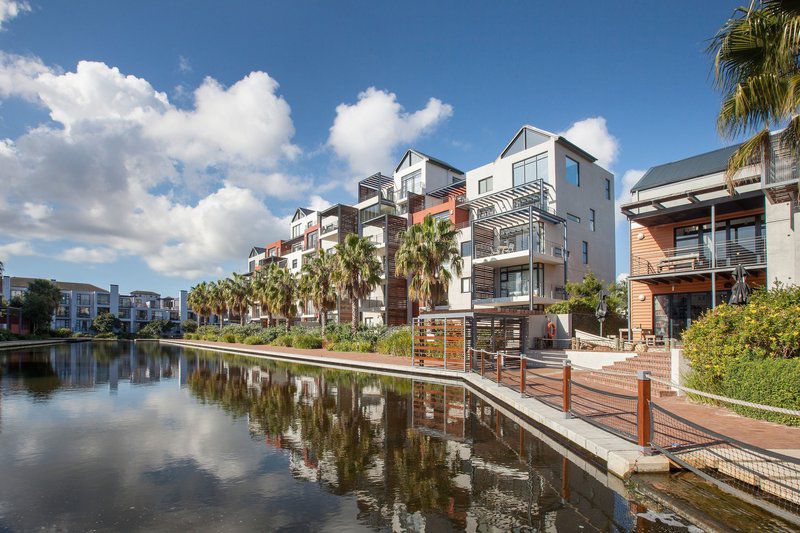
194, 440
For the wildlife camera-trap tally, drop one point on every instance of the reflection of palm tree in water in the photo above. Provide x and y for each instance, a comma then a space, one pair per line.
425, 480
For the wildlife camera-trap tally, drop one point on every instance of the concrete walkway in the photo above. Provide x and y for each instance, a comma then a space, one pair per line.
7, 345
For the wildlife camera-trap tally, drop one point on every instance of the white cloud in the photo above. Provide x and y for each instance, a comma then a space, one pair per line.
365, 134
81, 254
16, 248
123, 171
318, 203
184, 65
622, 277
592, 135
10, 9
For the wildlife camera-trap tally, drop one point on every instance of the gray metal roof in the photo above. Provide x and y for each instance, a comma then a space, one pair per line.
691, 167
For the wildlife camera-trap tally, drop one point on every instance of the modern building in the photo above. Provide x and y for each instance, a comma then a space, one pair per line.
82, 302
539, 215
688, 234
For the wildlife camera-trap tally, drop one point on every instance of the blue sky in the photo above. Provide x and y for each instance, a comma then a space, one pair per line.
201, 175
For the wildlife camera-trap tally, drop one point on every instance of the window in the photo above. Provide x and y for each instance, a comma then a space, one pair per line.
526, 139
311, 241
608, 189
585, 252
465, 285
466, 248
516, 281
297, 231
62, 324
62, 310
485, 185
84, 299
411, 183
294, 263
310, 223
444, 215
252, 266
531, 169
591, 219
103, 299
573, 174
273, 252
64, 298
573, 218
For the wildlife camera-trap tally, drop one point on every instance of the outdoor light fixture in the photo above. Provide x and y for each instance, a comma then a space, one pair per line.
642, 297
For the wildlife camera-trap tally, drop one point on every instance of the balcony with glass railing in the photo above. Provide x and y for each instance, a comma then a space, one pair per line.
749, 251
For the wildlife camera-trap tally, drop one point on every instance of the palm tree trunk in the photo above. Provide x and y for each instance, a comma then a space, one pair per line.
323, 318
354, 310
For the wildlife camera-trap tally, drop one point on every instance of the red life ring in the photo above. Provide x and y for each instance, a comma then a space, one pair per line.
551, 330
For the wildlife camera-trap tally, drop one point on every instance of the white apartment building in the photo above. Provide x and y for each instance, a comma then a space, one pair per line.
539, 215
82, 302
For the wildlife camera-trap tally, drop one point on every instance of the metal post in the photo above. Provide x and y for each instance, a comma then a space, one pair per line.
522, 376
566, 389
445, 343
565, 254
713, 256
464, 341
643, 409
483, 364
530, 256
414, 325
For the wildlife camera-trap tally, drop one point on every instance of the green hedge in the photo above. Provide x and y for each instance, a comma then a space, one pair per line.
351, 346
750, 352
397, 342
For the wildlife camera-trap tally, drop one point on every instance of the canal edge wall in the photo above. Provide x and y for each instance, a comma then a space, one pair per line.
621, 457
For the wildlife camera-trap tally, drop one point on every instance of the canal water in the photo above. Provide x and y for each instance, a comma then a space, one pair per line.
124, 436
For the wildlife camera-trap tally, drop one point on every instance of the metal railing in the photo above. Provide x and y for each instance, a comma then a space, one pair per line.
328, 228
372, 305
783, 168
729, 253
507, 246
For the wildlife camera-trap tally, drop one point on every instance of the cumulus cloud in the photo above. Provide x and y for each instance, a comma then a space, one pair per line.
121, 170
365, 134
17, 248
592, 135
184, 65
10, 9
318, 203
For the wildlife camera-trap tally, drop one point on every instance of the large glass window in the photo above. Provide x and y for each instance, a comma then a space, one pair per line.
738, 240
65, 296
103, 299
311, 241
465, 284
84, 299
466, 248
485, 185
573, 174
531, 169
674, 313
411, 183
526, 139
516, 281
297, 230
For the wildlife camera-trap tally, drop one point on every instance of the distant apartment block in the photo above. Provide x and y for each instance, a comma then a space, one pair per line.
82, 302
688, 234
539, 215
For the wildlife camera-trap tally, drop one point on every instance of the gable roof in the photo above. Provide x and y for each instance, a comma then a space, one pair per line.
544, 133
434, 160
685, 169
63, 285
301, 212
256, 250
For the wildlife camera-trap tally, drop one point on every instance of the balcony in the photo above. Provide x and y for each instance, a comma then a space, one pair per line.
517, 293
782, 177
685, 260
538, 194
509, 252
329, 229
372, 306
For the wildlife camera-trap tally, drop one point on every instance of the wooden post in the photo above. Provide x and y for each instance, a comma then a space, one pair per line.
483, 367
498, 364
464, 340
643, 409
566, 388
522, 377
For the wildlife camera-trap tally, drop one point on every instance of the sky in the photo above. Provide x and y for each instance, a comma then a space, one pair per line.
152, 144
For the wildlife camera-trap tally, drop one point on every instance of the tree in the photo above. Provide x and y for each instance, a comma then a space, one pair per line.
106, 323
199, 301
317, 284
156, 328
429, 256
357, 272
583, 297
756, 68
237, 293
262, 291
282, 295
189, 325
40, 303
217, 300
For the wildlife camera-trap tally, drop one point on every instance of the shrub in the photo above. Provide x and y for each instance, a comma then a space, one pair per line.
228, 337
307, 341
61, 332
732, 348
397, 342
155, 329
80, 334
189, 325
107, 335
252, 339
283, 340
210, 337
350, 346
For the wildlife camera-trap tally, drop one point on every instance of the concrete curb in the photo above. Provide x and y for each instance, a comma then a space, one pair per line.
8, 345
621, 457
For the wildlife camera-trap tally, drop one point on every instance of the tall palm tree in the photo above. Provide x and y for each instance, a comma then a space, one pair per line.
284, 295
237, 292
262, 282
429, 256
217, 299
756, 67
317, 284
200, 302
357, 272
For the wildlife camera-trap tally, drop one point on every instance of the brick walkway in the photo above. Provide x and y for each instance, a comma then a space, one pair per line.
617, 412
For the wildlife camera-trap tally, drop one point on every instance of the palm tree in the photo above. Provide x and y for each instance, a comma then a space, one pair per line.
317, 284
283, 294
237, 292
357, 272
200, 302
429, 256
756, 67
217, 299
261, 289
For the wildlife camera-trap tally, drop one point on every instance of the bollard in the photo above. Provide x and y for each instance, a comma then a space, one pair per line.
498, 363
566, 389
483, 365
522, 370
643, 425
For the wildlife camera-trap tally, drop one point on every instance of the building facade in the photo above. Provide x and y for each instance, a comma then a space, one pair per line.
82, 302
688, 234
539, 215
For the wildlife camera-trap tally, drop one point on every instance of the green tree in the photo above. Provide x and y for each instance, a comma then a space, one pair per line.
317, 285
357, 272
189, 325
199, 301
238, 295
156, 328
583, 297
429, 256
756, 68
283, 295
40, 303
262, 291
106, 323
218, 302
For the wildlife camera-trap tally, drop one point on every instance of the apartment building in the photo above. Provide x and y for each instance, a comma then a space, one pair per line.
688, 234
82, 302
539, 215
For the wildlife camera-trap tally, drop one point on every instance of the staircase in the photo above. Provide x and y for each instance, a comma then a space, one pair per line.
658, 363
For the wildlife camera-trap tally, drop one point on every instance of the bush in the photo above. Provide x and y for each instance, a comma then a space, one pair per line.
61, 332
155, 329
189, 325
350, 346
283, 340
228, 337
307, 341
252, 339
80, 334
731, 348
397, 342
105, 336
